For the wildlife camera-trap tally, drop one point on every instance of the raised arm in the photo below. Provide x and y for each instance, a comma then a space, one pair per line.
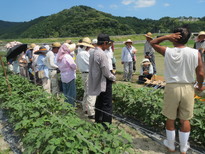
156, 42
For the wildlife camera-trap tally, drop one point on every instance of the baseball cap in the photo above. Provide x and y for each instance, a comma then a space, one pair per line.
104, 38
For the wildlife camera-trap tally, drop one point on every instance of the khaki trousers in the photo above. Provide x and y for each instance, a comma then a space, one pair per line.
53, 76
88, 100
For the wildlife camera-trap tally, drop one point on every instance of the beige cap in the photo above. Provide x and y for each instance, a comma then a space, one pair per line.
32, 45
86, 42
56, 45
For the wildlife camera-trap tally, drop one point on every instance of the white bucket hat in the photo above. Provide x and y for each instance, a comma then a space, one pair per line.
201, 33
128, 41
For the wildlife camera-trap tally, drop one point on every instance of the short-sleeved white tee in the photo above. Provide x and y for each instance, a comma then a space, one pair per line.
180, 65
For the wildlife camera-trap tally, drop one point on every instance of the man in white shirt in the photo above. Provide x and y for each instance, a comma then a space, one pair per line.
109, 54
82, 60
50, 63
181, 62
128, 53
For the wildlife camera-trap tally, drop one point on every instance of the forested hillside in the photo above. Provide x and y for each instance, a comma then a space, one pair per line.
86, 21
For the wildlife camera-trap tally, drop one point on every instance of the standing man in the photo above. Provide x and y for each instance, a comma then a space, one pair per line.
29, 57
50, 62
149, 51
100, 80
128, 53
82, 60
180, 64
200, 44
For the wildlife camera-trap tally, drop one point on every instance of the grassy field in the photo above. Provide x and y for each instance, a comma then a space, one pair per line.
159, 59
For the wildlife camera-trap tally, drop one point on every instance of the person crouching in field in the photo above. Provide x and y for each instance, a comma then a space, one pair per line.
180, 64
146, 71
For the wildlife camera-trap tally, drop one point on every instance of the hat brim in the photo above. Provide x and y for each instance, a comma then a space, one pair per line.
87, 45
147, 36
40, 52
201, 35
128, 42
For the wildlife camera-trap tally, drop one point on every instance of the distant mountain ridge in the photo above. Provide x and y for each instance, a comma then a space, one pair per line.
86, 21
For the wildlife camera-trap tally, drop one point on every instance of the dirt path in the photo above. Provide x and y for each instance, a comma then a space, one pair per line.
4, 146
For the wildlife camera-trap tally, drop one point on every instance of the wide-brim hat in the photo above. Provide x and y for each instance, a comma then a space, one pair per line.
146, 60
42, 50
149, 35
128, 41
86, 42
32, 45
201, 33
56, 45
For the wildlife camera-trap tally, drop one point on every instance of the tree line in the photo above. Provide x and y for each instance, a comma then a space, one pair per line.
85, 21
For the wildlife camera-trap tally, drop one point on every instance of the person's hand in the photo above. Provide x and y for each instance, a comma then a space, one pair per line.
145, 72
174, 37
147, 57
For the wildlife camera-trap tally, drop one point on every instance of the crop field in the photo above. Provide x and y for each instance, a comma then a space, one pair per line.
40, 119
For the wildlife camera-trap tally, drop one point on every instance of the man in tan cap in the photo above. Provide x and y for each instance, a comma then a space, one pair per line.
149, 51
82, 61
52, 67
200, 44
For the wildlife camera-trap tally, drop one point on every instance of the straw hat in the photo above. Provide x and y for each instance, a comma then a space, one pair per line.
32, 45
56, 45
68, 41
149, 35
42, 50
128, 41
201, 33
86, 42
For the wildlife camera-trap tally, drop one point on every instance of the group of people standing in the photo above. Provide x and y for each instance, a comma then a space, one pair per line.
95, 62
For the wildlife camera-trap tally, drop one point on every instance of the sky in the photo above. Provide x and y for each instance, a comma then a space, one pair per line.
26, 10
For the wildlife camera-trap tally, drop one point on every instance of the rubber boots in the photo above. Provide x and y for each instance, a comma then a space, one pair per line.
183, 139
170, 141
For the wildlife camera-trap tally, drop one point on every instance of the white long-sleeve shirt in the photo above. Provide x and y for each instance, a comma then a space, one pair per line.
82, 61
50, 60
126, 54
109, 55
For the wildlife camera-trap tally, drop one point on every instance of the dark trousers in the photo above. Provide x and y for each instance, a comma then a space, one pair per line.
104, 103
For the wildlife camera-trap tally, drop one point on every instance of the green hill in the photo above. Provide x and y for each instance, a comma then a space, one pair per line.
85, 21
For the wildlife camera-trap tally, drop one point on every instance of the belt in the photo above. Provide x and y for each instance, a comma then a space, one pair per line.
85, 72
